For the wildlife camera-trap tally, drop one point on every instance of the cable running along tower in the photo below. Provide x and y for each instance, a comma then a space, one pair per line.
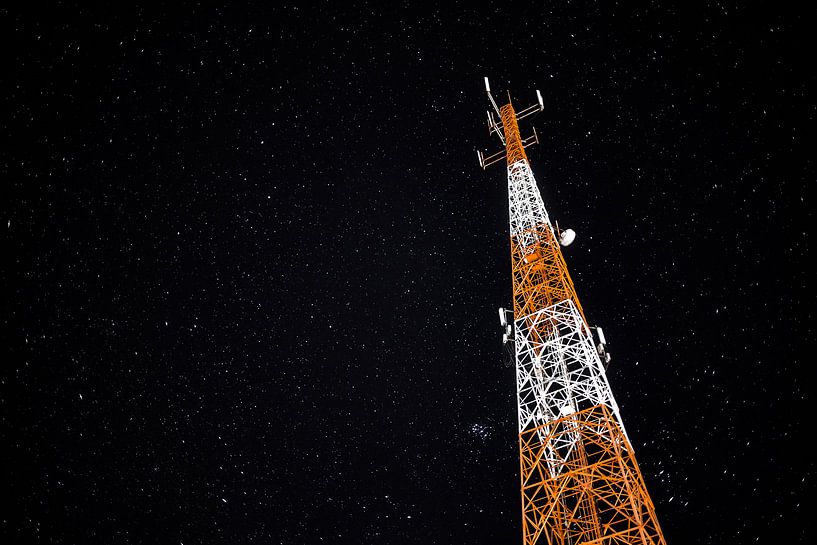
579, 478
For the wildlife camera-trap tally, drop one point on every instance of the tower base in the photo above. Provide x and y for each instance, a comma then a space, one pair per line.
581, 484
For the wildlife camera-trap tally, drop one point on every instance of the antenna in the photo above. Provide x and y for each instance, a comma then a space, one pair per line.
493, 102
497, 126
567, 237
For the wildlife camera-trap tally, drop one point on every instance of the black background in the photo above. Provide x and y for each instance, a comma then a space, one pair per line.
252, 267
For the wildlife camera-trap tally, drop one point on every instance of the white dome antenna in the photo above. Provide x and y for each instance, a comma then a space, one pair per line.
567, 237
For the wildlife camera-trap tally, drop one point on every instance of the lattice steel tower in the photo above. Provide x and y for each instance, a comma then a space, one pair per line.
579, 478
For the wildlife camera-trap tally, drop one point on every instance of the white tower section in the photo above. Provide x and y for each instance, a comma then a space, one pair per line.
525, 207
559, 373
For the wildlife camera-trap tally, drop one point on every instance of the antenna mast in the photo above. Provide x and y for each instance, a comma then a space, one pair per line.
580, 482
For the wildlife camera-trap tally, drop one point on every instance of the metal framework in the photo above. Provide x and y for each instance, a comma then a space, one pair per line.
580, 482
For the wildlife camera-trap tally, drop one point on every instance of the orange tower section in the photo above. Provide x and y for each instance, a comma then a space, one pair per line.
580, 483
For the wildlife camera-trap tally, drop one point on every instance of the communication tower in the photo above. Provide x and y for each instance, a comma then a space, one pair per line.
580, 482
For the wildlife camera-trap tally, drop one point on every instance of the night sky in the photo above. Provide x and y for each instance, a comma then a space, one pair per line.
251, 265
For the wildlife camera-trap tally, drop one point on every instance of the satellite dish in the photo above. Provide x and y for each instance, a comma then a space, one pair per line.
567, 237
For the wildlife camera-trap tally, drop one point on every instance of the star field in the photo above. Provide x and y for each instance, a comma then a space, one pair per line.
252, 266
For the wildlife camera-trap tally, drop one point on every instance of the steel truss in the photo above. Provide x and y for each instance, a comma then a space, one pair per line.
580, 482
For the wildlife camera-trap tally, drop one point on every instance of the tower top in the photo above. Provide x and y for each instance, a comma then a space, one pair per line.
505, 116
